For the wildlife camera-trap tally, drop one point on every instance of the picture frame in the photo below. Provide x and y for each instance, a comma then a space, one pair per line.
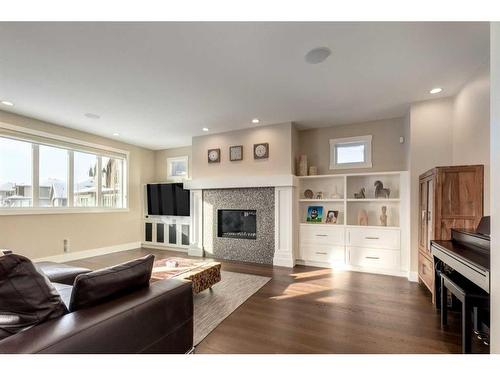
236, 153
314, 214
213, 155
261, 151
178, 168
332, 217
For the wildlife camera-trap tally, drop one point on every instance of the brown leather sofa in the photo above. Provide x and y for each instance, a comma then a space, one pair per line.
155, 319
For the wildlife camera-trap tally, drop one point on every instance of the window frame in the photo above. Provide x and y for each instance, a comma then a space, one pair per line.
365, 140
37, 138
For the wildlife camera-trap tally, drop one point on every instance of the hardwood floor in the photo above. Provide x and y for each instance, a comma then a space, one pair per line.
317, 310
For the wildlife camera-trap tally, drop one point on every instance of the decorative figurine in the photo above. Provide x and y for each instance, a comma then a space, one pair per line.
335, 194
380, 191
303, 165
319, 195
362, 217
360, 195
383, 217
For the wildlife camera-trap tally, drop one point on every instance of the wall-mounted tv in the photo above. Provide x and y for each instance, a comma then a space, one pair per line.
168, 200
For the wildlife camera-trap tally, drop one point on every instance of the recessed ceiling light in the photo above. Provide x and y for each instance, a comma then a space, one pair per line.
205, 129
436, 90
93, 116
317, 55
116, 134
255, 121
7, 103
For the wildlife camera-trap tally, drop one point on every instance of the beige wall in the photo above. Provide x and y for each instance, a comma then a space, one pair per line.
495, 187
431, 124
278, 136
471, 127
42, 235
387, 153
161, 161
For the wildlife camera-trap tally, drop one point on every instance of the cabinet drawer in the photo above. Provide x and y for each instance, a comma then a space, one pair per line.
373, 237
323, 253
426, 271
374, 258
321, 235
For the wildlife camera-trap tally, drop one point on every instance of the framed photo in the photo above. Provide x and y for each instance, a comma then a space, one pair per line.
331, 217
214, 155
177, 168
314, 214
236, 153
261, 151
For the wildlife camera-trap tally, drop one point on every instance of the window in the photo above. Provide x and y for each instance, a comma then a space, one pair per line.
354, 152
111, 182
53, 177
177, 168
44, 174
15, 174
85, 180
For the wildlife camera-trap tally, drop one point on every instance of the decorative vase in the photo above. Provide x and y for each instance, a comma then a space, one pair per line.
302, 165
313, 171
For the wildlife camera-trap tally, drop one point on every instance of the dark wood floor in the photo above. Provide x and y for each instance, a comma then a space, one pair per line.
317, 310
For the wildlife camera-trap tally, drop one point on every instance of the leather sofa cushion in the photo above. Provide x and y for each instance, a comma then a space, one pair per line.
60, 272
26, 296
99, 286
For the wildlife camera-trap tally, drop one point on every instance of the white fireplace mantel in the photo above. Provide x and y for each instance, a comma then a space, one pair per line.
235, 182
285, 211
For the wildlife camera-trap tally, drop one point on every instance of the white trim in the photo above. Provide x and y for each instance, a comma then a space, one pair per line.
340, 175
66, 257
58, 210
233, 182
413, 277
23, 130
35, 175
168, 247
366, 140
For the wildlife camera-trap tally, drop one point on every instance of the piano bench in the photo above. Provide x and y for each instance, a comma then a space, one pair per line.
470, 296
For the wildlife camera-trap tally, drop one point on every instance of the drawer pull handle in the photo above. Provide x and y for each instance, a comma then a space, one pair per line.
372, 238
322, 235
321, 253
372, 257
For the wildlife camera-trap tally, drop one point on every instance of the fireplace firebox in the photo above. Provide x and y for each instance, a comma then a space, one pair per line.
233, 223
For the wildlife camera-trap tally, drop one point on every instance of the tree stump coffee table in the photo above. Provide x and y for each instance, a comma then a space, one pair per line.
203, 274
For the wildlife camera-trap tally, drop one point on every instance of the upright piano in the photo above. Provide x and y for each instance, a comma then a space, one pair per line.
468, 254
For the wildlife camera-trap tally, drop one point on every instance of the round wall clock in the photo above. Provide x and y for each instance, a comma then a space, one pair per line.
214, 155
261, 151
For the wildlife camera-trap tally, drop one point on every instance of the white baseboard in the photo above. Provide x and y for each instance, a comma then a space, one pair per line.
146, 245
413, 277
66, 257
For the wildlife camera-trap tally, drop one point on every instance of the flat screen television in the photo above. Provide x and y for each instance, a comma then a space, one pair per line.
168, 199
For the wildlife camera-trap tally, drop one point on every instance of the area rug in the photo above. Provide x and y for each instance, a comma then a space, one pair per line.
211, 307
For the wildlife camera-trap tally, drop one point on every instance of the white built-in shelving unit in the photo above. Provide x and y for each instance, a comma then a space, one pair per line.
346, 244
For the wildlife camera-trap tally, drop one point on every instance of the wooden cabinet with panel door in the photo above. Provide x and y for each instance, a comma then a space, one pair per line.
449, 197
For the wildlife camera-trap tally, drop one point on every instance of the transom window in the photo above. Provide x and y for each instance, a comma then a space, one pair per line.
47, 176
353, 152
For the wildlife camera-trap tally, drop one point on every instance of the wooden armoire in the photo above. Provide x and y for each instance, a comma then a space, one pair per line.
449, 197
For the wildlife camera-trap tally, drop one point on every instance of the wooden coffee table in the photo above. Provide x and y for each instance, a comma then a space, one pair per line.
202, 274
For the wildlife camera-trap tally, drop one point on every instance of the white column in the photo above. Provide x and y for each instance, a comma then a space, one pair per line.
284, 227
495, 187
196, 230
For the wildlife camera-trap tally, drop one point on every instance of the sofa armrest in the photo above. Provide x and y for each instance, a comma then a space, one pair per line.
158, 319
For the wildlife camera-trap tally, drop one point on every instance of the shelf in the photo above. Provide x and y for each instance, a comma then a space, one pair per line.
321, 176
323, 224
382, 200
321, 200
370, 226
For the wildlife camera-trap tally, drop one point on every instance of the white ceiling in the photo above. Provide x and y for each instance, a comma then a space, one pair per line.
159, 84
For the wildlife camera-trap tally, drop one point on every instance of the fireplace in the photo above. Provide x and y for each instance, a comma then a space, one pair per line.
233, 223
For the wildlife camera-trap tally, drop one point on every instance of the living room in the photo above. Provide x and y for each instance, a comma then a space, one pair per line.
324, 199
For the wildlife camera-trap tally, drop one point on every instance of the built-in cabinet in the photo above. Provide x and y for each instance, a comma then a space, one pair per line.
166, 231
347, 244
449, 197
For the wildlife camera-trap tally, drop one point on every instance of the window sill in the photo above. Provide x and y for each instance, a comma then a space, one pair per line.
56, 211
